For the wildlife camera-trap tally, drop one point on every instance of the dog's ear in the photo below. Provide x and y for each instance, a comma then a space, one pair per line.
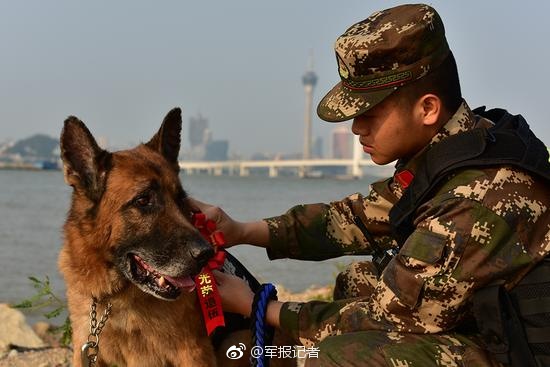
84, 162
168, 139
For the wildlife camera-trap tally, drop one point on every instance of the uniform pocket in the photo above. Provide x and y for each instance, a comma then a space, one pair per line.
403, 275
424, 245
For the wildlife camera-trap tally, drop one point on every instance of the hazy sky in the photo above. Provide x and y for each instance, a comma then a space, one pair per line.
121, 65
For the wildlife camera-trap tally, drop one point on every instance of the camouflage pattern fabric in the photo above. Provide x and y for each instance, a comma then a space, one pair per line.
359, 279
481, 225
375, 348
375, 56
378, 348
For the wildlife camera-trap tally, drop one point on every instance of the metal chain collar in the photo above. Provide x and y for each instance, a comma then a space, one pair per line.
90, 349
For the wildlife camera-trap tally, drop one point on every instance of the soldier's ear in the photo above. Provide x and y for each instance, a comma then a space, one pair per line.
85, 164
167, 140
429, 108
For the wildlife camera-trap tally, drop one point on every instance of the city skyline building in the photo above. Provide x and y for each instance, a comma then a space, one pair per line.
198, 127
203, 146
341, 143
216, 150
317, 150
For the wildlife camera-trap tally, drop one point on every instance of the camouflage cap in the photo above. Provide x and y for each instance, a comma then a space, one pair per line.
390, 48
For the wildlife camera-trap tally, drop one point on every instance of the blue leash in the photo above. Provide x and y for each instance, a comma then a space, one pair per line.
261, 332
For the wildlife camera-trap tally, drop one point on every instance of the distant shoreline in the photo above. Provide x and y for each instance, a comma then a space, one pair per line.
25, 168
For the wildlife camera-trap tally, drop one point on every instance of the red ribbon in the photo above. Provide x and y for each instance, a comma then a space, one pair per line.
207, 291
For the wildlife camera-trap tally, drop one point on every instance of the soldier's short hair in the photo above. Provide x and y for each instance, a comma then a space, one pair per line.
443, 81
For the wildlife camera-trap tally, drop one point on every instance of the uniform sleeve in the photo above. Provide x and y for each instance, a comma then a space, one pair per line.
460, 244
323, 231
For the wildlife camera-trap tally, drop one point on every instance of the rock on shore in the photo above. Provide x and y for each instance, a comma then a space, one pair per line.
20, 346
15, 330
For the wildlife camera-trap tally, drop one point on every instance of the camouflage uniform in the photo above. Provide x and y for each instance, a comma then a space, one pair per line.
480, 225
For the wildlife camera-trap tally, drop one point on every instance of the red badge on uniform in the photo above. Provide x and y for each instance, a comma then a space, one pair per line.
404, 178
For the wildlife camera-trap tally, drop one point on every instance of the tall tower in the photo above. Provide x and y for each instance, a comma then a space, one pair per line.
309, 80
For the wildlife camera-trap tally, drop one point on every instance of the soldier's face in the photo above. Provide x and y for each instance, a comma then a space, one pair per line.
389, 131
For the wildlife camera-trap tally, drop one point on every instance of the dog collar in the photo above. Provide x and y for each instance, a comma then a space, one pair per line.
90, 350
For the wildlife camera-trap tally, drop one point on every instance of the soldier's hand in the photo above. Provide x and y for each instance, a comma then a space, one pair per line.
236, 295
232, 230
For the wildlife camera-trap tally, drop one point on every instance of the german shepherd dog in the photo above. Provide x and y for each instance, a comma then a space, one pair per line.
129, 241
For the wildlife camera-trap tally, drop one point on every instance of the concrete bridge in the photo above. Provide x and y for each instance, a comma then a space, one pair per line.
242, 168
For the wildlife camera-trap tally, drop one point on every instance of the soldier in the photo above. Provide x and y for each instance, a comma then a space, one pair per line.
458, 214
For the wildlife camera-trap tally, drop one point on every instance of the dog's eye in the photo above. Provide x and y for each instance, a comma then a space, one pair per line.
144, 200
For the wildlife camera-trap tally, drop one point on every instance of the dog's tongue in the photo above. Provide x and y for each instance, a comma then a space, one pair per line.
182, 282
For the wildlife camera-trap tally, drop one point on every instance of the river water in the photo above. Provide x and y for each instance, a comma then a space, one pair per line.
33, 206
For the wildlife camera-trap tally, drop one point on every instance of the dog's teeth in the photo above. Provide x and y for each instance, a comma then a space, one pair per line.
162, 282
